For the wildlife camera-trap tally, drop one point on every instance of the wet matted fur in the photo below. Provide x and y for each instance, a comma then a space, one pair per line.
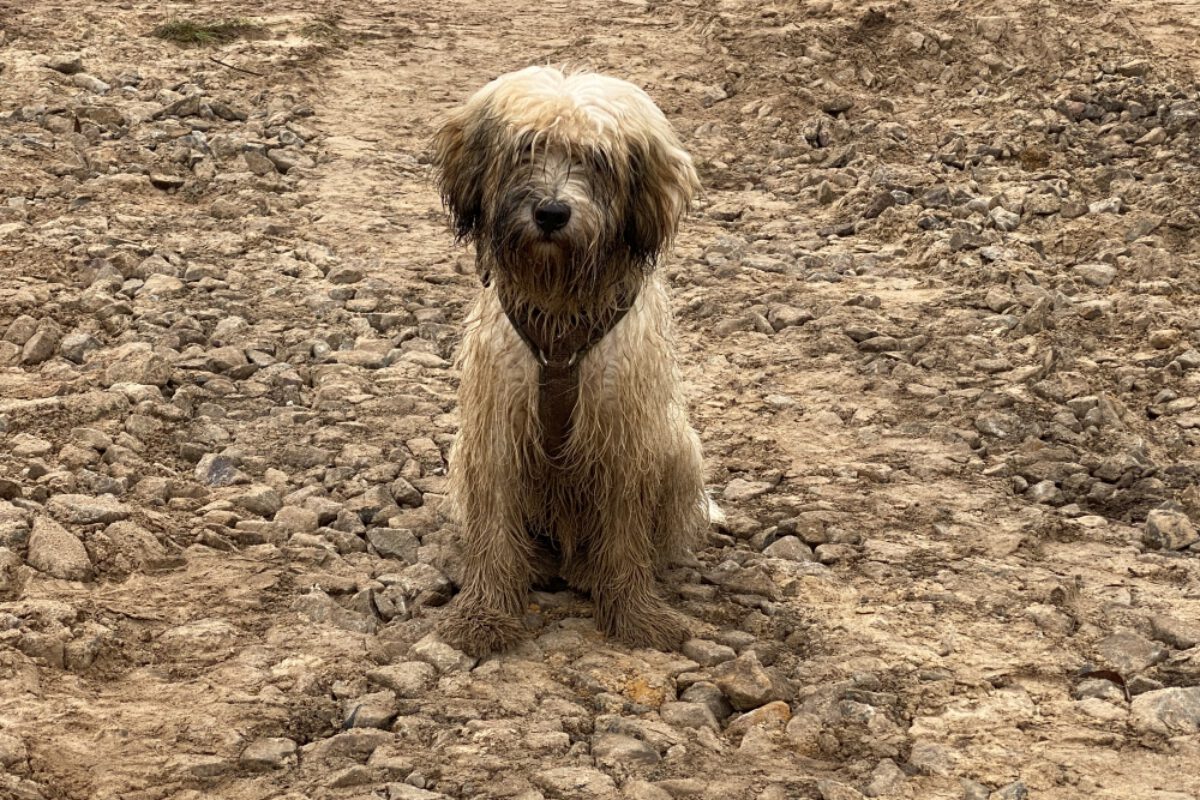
626, 493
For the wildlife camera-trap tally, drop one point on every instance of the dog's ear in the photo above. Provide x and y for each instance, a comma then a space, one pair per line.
459, 155
661, 184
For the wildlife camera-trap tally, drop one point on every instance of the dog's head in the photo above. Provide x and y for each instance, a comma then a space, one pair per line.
560, 180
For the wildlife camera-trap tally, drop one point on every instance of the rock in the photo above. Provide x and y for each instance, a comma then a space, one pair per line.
66, 63
832, 790
217, 470
140, 366
614, 750
407, 679
744, 682
90, 83
57, 552
344, 275
424, 585
782, 317
441, 656
21, 330
1128, 652
1164, 338
689, 715
259, 499
739, 489
1168, 712
1098, 275
82, 509
789, 548
641, 790
165, 180
356, 744
887, 780
267, 754
320, 607
258, 163
398, 543
1045, 492
75, 346
706, 653
575, 783
43, 344
1004, 220
374, 710
772, 715
1169, 530
294, 519
1177, 633
124, 547
709, 695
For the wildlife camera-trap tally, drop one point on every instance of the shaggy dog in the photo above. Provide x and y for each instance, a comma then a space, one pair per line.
575, 457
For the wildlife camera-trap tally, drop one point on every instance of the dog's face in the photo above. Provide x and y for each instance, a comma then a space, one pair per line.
563, 181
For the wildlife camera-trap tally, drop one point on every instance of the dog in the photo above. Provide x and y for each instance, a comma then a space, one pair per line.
575, 458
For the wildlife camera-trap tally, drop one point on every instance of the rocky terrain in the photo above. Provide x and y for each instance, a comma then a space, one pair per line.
938, 318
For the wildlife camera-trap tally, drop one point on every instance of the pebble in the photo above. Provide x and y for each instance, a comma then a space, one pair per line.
407, 679
575, 783
441, 656
82, 509
269, 754
259, 499
744, 682
57, 552
789, 548
613, 750
706, 653
1166, 529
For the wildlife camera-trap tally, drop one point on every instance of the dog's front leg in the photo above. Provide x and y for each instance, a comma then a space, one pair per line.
624, 590
486, 615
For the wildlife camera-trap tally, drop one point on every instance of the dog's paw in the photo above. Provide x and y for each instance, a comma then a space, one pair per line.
480, 631
653, 625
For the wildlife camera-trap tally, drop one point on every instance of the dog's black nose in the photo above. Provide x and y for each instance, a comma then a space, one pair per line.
552, 216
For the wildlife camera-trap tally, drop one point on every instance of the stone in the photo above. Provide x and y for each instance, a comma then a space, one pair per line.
709, 695
43, 344
744, 682
613, 750
887, 780
407, 679
295, 519
424, 585
706, 653
1169, 530
124, 547
90, 83
57, 552
1177, 633
214, 469
1167, 712
575, 783
356, 744
441, 656
772, 715
66, 63
782, 317
689, 715
140, 366
374, 710
790, 548
82, 509
268, 754
75, 346
258, 163
1098, 275
259, 499
320, 607
740, 489
398, 543
1129, 652
832, 790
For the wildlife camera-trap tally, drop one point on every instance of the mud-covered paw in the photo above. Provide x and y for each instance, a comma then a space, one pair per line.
655, 626
480, 631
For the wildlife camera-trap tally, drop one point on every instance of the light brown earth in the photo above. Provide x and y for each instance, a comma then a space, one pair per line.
911, 345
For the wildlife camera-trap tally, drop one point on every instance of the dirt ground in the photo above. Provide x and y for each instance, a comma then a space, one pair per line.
937, 312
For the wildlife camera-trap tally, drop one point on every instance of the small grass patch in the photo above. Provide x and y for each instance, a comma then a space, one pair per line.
186, 31
328, 29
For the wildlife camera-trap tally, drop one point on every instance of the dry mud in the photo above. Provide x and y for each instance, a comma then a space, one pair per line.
938, 318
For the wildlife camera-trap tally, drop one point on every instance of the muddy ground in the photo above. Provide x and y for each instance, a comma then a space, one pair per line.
937, 312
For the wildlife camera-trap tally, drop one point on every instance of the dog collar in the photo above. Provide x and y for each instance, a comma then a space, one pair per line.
558, 362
